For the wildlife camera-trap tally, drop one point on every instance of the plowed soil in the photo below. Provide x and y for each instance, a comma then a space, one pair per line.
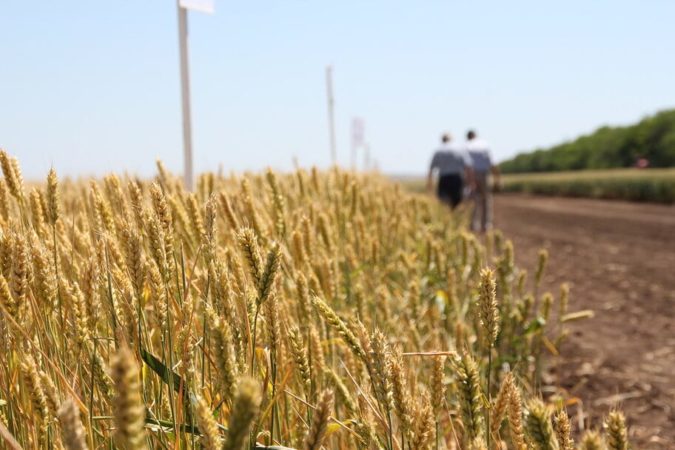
619, 259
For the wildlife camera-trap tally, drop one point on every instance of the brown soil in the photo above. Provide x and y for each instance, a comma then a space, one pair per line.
619, 259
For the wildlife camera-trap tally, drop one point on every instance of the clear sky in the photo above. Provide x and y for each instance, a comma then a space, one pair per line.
93, 86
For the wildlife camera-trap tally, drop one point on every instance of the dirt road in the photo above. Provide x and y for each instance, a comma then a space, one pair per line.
620, 261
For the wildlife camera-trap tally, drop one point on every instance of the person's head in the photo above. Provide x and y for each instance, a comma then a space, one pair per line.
470, 135
445, 138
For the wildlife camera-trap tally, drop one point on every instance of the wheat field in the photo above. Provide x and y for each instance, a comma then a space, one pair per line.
305, 310
647, 185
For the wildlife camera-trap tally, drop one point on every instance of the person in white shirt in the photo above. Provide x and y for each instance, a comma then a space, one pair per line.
481, 162
454, 172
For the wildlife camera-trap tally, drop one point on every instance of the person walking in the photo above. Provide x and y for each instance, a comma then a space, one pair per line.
481, 162
454, 172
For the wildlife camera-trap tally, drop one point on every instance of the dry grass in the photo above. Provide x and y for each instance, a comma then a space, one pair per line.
302, 310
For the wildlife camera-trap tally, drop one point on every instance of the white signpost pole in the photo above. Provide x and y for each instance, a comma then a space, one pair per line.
185, 96
331, 115
183, 6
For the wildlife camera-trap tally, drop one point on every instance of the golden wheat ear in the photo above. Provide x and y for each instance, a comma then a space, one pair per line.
616, 432
515, 416
128, 407
74, 437
317, 431
208, 427
244, 411
538, 425
591, 440
563, 430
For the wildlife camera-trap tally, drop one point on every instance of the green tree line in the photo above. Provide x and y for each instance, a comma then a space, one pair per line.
652, 138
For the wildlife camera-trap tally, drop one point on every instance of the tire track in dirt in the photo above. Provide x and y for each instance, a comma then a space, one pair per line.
619, 259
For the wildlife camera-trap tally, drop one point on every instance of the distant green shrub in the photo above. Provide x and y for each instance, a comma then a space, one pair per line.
652, 138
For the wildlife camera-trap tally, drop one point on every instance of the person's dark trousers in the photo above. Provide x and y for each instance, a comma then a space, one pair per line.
450, 189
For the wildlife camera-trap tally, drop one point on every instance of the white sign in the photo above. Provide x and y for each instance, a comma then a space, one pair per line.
358, 131
205, 6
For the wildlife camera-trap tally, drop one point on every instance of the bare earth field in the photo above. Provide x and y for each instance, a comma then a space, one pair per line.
619, 259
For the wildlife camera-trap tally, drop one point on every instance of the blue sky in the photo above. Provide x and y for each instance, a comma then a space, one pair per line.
93, 86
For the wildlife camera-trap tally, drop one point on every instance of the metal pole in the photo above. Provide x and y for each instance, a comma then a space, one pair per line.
331, 115
185, 95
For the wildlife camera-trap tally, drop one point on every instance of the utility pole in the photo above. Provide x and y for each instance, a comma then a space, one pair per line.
183, 5
331, 114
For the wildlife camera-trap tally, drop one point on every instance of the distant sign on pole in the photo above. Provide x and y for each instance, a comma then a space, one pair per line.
358, 138
331, 113
205, 6
366, 157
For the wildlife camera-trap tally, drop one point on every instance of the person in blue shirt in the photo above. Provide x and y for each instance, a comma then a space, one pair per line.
454, 172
